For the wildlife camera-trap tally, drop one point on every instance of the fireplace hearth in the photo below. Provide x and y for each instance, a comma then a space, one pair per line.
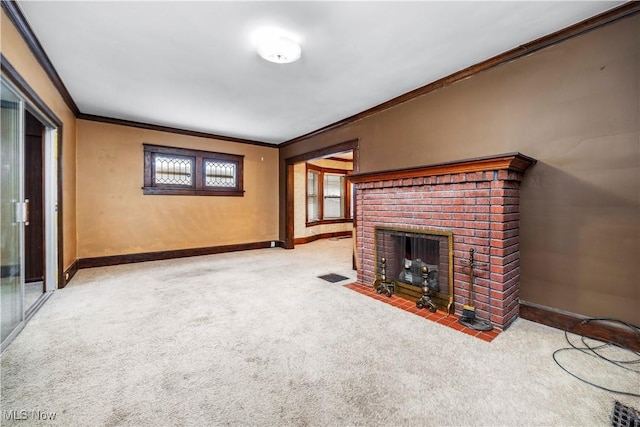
417, 218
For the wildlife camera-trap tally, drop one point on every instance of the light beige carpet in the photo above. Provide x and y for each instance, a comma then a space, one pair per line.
254, 338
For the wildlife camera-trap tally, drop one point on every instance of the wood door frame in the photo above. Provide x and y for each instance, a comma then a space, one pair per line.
350, 145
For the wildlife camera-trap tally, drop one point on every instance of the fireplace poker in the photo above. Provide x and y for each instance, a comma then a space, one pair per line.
468, 317
468, 310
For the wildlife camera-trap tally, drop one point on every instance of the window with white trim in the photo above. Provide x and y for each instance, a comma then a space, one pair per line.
333, 196
328, 196
313, 210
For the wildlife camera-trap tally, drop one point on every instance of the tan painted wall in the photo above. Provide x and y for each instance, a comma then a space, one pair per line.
115, 218
573, 106
300, 197
18, 54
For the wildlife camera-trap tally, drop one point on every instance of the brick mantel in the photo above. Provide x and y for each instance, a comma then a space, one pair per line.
477, 200
515, 162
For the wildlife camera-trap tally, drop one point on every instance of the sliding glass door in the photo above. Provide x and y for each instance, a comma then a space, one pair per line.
29, 150
12, 213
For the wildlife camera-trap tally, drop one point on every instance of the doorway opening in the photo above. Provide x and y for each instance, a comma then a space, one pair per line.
34, 230
323, 198
320, 200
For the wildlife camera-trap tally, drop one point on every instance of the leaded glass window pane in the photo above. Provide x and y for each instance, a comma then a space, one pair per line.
174, 170
185, 172
220, 174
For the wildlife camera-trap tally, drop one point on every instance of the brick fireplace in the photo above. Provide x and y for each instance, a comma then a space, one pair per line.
476, 200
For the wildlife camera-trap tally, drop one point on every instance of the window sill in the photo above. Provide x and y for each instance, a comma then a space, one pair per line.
329, 221
190, 192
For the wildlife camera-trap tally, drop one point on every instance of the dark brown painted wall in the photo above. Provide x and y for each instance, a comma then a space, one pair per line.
574, 107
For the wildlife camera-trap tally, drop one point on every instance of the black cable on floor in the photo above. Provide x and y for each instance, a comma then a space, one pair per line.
594, 351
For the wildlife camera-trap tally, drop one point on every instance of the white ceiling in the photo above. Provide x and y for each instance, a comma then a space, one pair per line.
193, 65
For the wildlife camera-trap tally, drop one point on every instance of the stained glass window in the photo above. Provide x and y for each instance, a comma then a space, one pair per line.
173, 170
181, 171
220, 174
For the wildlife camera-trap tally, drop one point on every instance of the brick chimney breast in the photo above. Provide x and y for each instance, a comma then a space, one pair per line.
477, 200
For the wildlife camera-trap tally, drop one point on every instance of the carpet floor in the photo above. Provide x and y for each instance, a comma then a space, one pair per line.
256, 338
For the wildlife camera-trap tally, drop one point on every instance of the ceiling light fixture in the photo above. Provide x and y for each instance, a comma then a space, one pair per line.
277, 48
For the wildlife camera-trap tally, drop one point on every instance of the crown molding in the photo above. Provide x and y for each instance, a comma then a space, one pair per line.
169, 129
628, 9
16, 16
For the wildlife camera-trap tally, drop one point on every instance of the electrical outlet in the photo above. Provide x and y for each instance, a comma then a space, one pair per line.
273, 244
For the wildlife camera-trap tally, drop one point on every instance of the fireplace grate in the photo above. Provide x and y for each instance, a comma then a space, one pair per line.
624, 416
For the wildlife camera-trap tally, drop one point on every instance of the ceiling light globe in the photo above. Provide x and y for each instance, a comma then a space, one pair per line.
280, 50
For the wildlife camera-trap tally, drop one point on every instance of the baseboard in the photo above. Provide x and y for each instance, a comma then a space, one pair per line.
572, 322
68, 274
177, 253
309, 239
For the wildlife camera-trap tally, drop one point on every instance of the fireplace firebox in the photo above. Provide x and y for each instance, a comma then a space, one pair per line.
409, 259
